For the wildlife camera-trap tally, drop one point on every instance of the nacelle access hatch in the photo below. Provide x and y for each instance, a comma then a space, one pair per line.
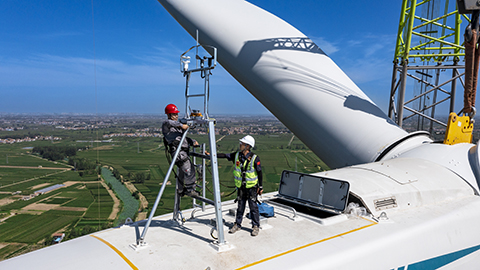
314, 191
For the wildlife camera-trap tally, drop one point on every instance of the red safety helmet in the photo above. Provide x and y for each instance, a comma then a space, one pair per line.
171, 108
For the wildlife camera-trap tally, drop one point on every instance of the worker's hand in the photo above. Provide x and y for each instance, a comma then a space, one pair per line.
207, 153
259, 191
195, 144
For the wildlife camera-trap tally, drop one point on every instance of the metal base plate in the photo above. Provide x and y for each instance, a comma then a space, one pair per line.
221, 247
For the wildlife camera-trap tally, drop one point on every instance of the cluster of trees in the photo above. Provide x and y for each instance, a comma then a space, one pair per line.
82, 163
138, 177
54, 152
76, 232
297, 146
135, 195
116, 173
84, 166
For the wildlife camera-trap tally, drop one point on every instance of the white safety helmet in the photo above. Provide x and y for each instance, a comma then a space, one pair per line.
248, 140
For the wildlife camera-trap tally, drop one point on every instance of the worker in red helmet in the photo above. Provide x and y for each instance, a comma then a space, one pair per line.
172, 131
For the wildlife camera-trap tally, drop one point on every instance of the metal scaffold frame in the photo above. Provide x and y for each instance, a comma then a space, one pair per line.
427, 43
195, 118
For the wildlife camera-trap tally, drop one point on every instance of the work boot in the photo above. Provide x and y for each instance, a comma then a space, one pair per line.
192, 193
235, 228
255, 231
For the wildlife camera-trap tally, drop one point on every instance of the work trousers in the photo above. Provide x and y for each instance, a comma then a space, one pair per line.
186, 172
250, 195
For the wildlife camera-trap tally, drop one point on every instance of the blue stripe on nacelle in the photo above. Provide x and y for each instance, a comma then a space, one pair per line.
440, 261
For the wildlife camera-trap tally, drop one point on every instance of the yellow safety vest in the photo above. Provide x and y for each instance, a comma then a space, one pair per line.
251, 176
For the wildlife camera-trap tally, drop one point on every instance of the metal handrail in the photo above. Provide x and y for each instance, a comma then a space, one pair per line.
285, 206
160, 193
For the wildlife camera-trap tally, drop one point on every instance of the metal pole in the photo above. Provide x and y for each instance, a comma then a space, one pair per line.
203, 178
391, 110
421, 102
401, 93
454, 88
176, 206
187, 88
155, 205
206, 88
434, 99
194, 202
216, 182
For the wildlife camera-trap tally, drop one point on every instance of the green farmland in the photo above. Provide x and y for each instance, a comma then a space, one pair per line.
86, 203
149, 157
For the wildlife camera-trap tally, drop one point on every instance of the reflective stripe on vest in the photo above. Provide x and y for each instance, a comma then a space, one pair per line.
251, 176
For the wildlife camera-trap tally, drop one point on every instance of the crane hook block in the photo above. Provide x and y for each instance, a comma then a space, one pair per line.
459, 129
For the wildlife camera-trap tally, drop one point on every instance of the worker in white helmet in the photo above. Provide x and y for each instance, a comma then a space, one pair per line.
248, 180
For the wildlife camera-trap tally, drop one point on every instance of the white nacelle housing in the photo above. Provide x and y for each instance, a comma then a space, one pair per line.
401, 183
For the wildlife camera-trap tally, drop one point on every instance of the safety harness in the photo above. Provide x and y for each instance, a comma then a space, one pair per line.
245, 173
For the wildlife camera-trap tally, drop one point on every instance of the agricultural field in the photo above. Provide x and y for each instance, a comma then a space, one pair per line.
276, 152
131, 147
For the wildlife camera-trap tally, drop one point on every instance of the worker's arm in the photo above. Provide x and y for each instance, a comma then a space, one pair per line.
192, 142
258, 168
229, 157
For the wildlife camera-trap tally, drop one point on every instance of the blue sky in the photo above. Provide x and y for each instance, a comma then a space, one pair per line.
47, 53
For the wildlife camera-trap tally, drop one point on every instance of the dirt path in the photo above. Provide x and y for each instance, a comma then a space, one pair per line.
116, 201
39, 186
154, 149
291, 140
68, 165
5, 218
143, 201
32, 167
221, 138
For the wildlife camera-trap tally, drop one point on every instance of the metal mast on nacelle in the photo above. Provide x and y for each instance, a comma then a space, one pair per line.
195, 118
428, 43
